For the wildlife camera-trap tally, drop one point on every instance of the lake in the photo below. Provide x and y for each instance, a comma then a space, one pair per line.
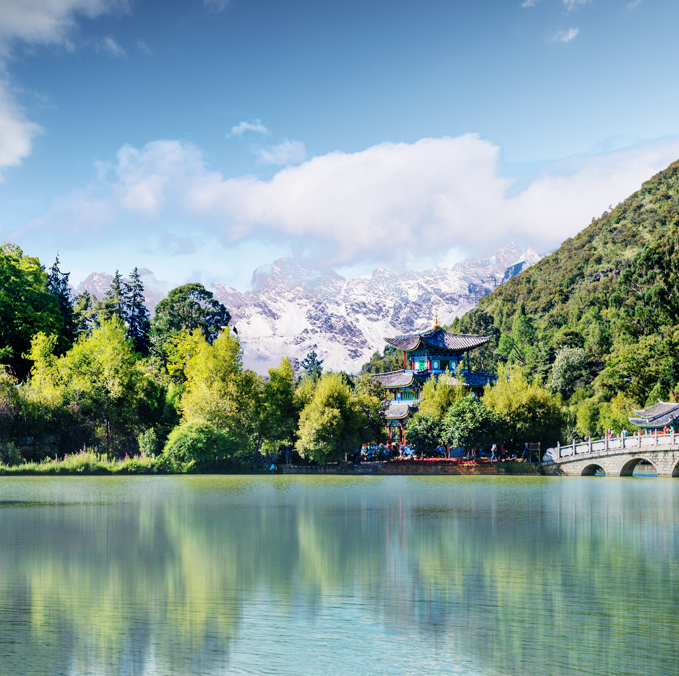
338, 575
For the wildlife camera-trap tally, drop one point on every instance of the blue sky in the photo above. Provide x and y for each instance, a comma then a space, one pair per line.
204, 138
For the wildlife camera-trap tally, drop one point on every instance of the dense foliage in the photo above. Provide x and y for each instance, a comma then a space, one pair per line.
79, 374
577, 340
599, 318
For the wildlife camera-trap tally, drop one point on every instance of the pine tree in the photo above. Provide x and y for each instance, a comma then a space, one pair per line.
112, 304
135, 313
84, 313
312, 365
57, 285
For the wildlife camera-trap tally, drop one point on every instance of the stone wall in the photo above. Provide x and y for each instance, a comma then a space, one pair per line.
429, 468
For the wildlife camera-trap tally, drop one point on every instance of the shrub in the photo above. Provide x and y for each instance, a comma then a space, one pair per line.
197, 443
148, 442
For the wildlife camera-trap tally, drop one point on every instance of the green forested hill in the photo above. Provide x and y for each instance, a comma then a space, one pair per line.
598, 320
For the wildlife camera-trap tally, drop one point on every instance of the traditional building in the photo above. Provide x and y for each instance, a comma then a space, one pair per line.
427, 355
657, 417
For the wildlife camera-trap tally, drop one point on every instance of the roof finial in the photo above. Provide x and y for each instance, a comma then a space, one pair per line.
436, 320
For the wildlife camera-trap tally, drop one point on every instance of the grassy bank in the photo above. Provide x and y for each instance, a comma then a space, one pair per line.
90, 462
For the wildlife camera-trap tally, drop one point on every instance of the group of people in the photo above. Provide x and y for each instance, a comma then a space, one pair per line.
499, 455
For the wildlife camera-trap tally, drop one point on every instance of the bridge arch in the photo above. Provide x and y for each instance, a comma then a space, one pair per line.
675, 469
593, 470
628, 468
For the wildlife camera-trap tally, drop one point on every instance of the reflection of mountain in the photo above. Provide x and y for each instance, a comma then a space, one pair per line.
283, 575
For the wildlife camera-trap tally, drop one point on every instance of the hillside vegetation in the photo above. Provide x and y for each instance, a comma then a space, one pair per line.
598, 320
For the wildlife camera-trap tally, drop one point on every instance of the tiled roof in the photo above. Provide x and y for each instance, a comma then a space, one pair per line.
400, 378
406, 379
438, 338
398, 410
658, 415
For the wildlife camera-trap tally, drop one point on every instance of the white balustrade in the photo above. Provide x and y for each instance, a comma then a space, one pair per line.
608, 445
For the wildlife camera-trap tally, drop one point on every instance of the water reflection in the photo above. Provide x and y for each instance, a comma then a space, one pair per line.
216, 575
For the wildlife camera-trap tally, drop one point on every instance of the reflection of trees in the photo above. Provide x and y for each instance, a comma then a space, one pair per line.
526, 576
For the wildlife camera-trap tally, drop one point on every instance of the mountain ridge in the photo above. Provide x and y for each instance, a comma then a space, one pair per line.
292, 309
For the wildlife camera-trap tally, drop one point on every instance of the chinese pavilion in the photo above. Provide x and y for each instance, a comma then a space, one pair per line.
427, 355
656, 417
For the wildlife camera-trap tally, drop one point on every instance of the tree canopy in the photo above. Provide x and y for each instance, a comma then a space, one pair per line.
189, 307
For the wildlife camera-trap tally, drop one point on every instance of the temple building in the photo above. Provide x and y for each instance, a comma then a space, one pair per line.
426, 355
657, 417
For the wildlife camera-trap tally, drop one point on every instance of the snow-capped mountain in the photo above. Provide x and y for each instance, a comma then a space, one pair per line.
98, 283
292, 310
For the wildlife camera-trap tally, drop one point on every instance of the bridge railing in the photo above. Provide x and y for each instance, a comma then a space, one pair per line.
618, 443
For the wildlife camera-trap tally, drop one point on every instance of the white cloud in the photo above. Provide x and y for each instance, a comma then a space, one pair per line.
529, 3
388, 203
36, 22
575, 4
241, 128
288, 152
632, 5
143, 47
110, 46
48, 21
566, 36
216, 5
16, 132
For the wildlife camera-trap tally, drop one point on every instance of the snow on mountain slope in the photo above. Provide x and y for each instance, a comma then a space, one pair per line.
293, 310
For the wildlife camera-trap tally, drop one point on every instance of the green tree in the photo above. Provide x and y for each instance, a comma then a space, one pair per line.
480, 323
57, 285
84, 313
636, 368
136, 314
112, 305
98, 387
26, 307
569, 367
470, 423
279, 414
390, 360
219, 391
197, 444
424, 432
10, 406
438, 395
312, 365
187, 308
529, 412
336, 422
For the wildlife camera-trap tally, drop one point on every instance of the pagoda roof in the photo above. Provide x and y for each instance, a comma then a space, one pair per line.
400, 378
437, 338
397, 410
658, 415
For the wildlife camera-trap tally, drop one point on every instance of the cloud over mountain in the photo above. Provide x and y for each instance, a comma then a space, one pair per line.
383, 204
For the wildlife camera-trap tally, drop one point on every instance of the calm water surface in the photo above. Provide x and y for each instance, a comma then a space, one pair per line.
305, 575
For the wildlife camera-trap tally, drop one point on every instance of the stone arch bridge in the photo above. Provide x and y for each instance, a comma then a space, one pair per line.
616, 457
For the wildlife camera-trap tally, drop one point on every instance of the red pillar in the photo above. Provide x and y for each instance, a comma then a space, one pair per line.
404, 361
